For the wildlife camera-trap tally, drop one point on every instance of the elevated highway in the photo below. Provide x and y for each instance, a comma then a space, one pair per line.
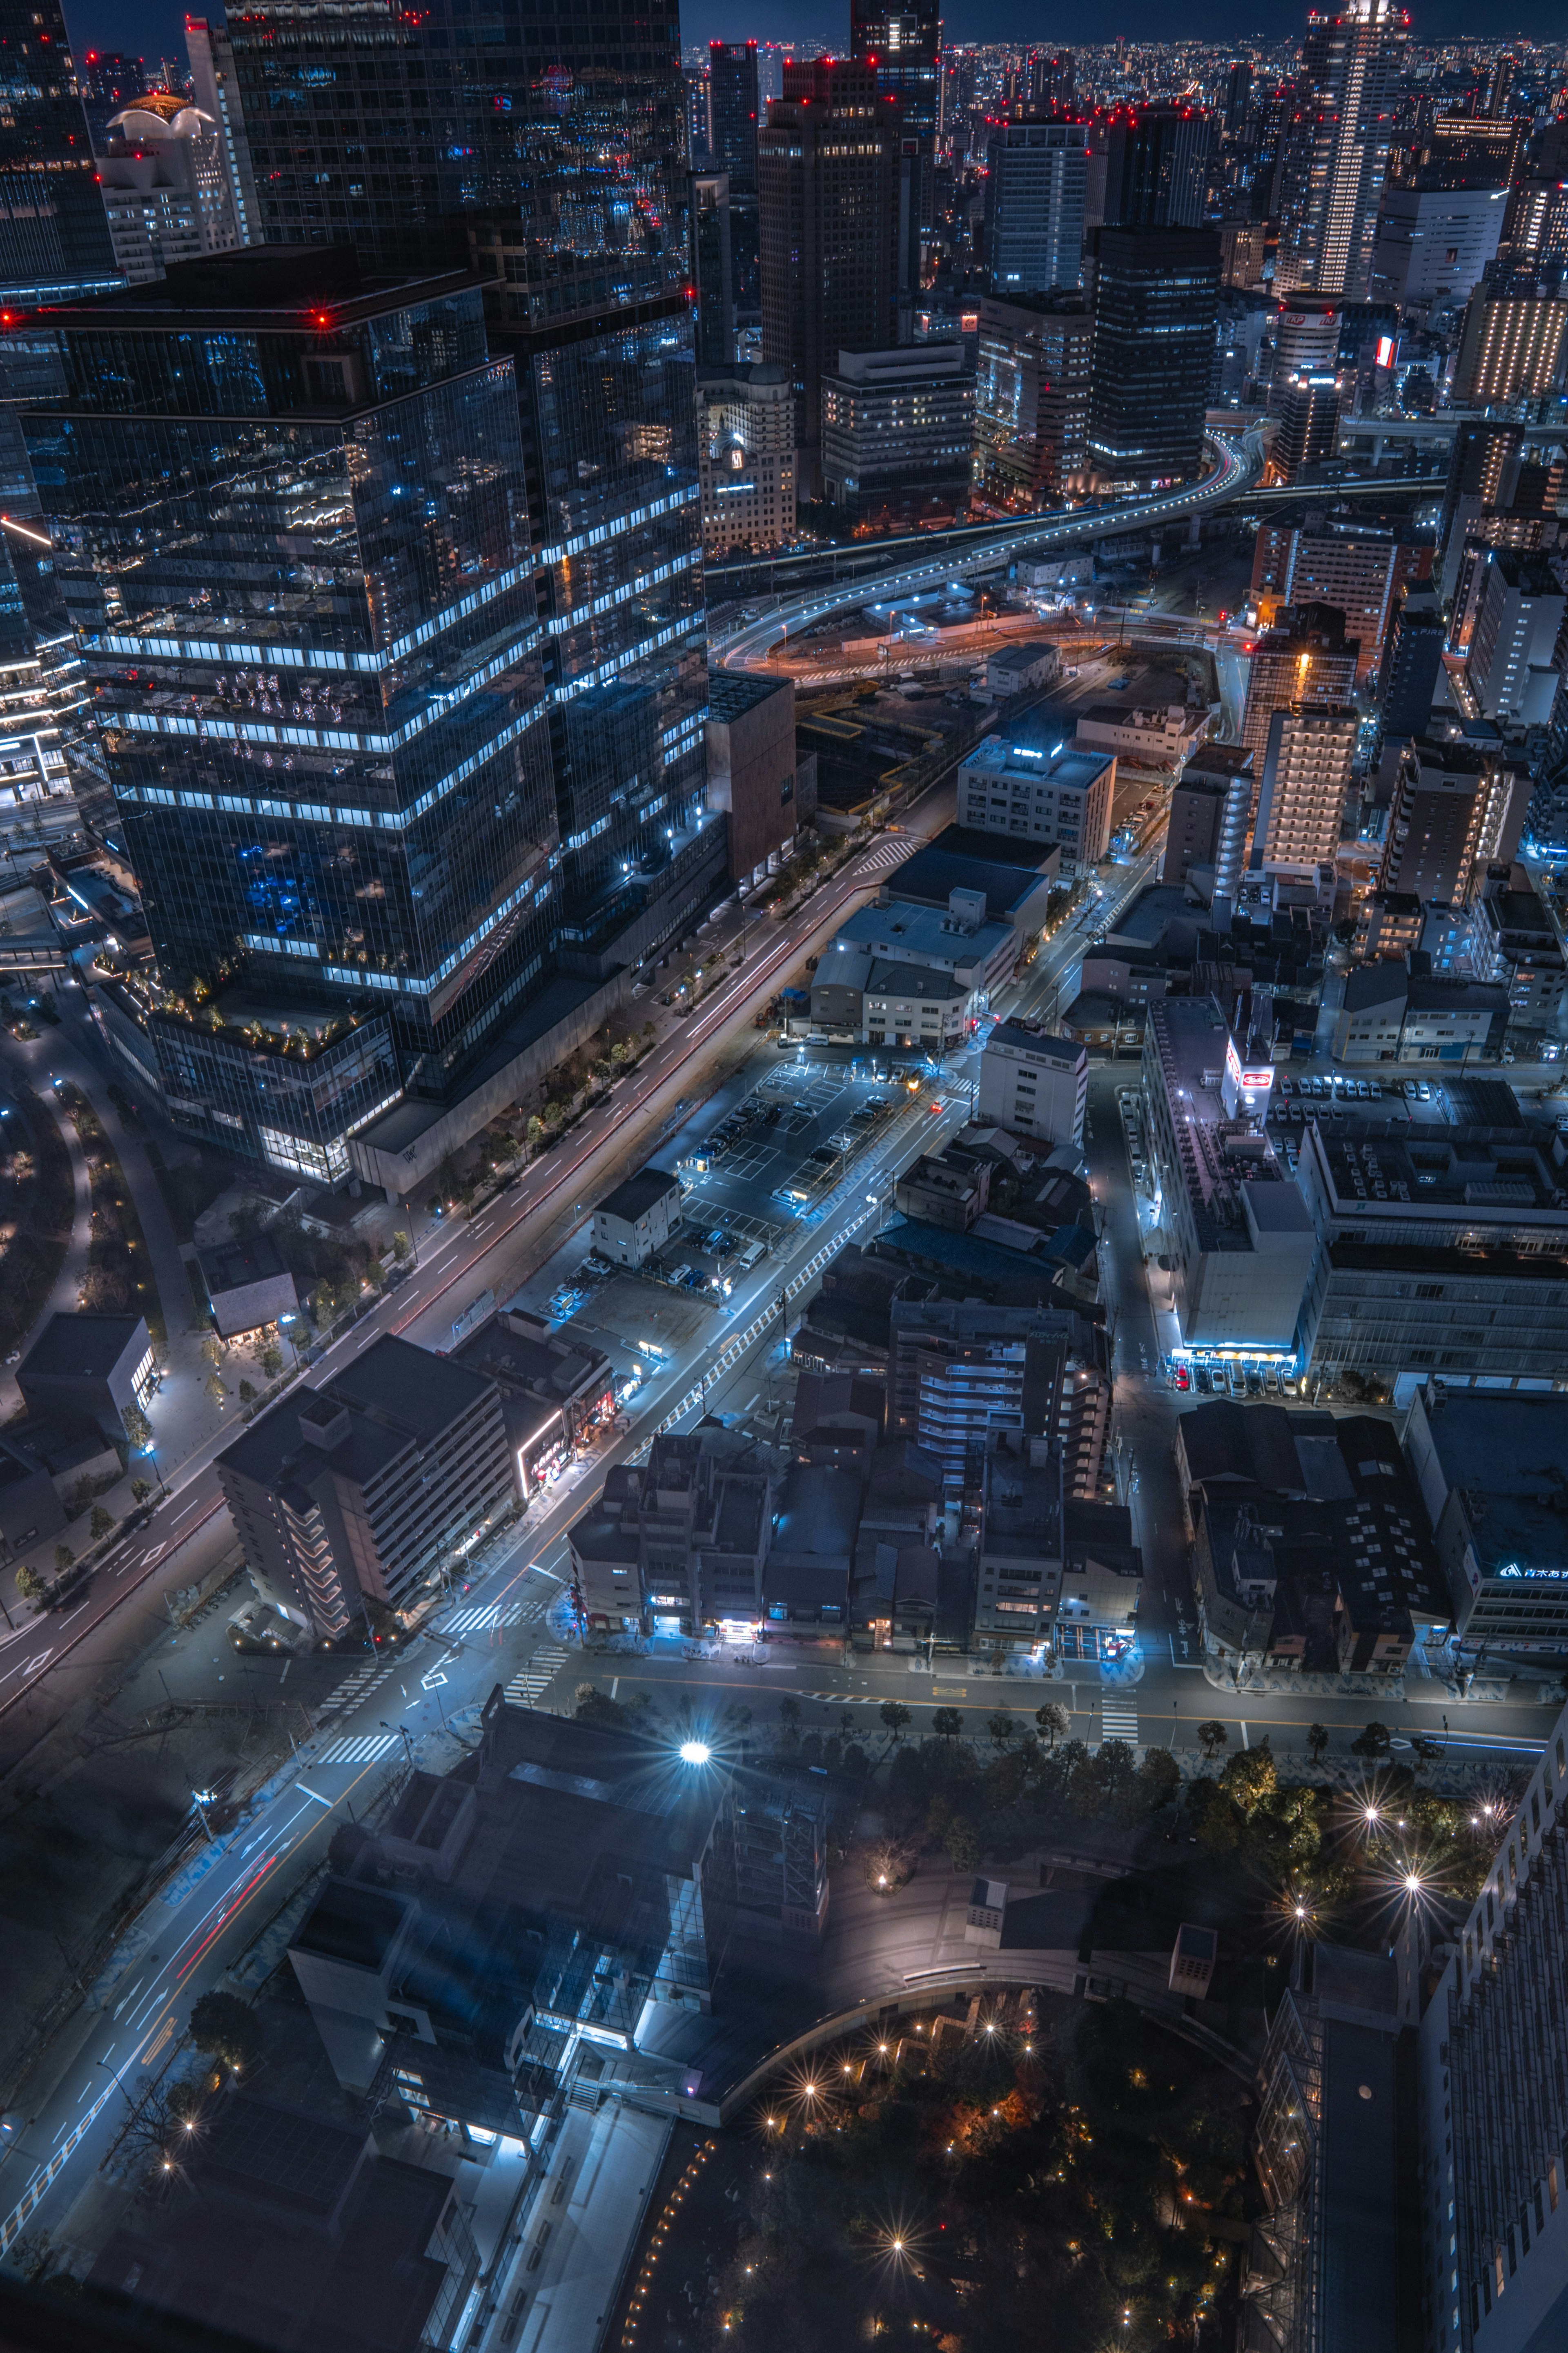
1236, 466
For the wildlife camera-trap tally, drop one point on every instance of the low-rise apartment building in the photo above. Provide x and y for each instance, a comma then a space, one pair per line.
1491, 1470
1054, 794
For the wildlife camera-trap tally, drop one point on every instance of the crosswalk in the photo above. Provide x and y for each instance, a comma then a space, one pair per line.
541, 1670
886, 853
495, 1615
356, 1687
1119, 1720
363, 1748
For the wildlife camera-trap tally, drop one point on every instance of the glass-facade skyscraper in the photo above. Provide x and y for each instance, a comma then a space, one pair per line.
290, 520
543, 150
54, 232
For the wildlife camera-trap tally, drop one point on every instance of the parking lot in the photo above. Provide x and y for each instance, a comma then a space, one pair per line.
780, 1151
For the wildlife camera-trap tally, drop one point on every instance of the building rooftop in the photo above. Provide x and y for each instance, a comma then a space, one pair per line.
635, 1196
733, 692
908, 932
1223, 1161
278, 286
80, 1348
231, 1266
394, 1396
1027, 1037
962, 858
1059, 763
1435, 1172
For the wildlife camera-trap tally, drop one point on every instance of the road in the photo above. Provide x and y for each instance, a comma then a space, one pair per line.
1236, 468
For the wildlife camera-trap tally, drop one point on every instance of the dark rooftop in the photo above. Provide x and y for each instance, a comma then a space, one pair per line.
80, 1347
230, 1266
635, 1196
962, 858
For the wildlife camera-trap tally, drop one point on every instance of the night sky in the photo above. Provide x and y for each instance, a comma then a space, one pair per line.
152, 28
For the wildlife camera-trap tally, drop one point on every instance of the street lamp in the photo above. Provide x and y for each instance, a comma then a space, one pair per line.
695, 1752
401, 1728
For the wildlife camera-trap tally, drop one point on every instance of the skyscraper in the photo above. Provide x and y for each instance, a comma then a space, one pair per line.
827, 166
53, 234
904, 44
1031, 396
707, 216
1308, 425
558, 156
1336, 145
287, 511
1036, 180
211, 54
1411, 664
1156, 297
1511, 345
734, 118
1156, 166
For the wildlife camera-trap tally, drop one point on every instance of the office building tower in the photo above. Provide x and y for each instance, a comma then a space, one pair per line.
1036, 178
1360, 571
1535, 234
1336, 146
1232, 771
1410, 664
1309, 431
1458, 808
1237, 102
402, 133
328, 743
1156, 167
1194, 827
54, 238
694, 114
898, 430
1434, 244
1305, 657
1156, 300
1031, 397
1309, 757
708, 225
1053, 80
1034, 1083
734, 117
904, 45
827, 164
1492, 2086
108, 79
1510, 347
745, 460
1064, 795
754, 774
1509, 665
216, 90
165, 187
1243, 249
1471, 150
351, 1498
1305, 328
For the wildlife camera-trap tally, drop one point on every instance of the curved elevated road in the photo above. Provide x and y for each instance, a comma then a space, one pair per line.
1237, 467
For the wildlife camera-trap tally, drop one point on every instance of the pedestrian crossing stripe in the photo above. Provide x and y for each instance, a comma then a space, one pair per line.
541, 1669
359, 1686
362, 1749
495, 1614
1119, 1723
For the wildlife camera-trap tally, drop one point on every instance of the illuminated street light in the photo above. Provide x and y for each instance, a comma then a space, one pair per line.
695, 1752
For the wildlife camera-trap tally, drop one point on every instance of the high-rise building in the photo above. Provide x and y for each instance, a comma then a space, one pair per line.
1456, 809
1156, 166
1337, 144
1034, 1083
898, 430
1510, 347
1306, 335
1433, 244
1156, 300
745, 459
108, 79
166, 186
734, 118
1308, 755
1227, 770
1360, 571
1053, 80
828, 165
212, 80
1519, 612
328, 738
713, 277
1410, 665
904, 44
1484, 455
1305, 657
1031, 397
1493, 2090
1309, 431
1036, 179
1238, 99
53, 234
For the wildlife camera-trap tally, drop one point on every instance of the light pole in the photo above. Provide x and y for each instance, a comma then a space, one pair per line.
401, 1728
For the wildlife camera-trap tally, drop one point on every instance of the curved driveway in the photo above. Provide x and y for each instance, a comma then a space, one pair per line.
1237, 467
